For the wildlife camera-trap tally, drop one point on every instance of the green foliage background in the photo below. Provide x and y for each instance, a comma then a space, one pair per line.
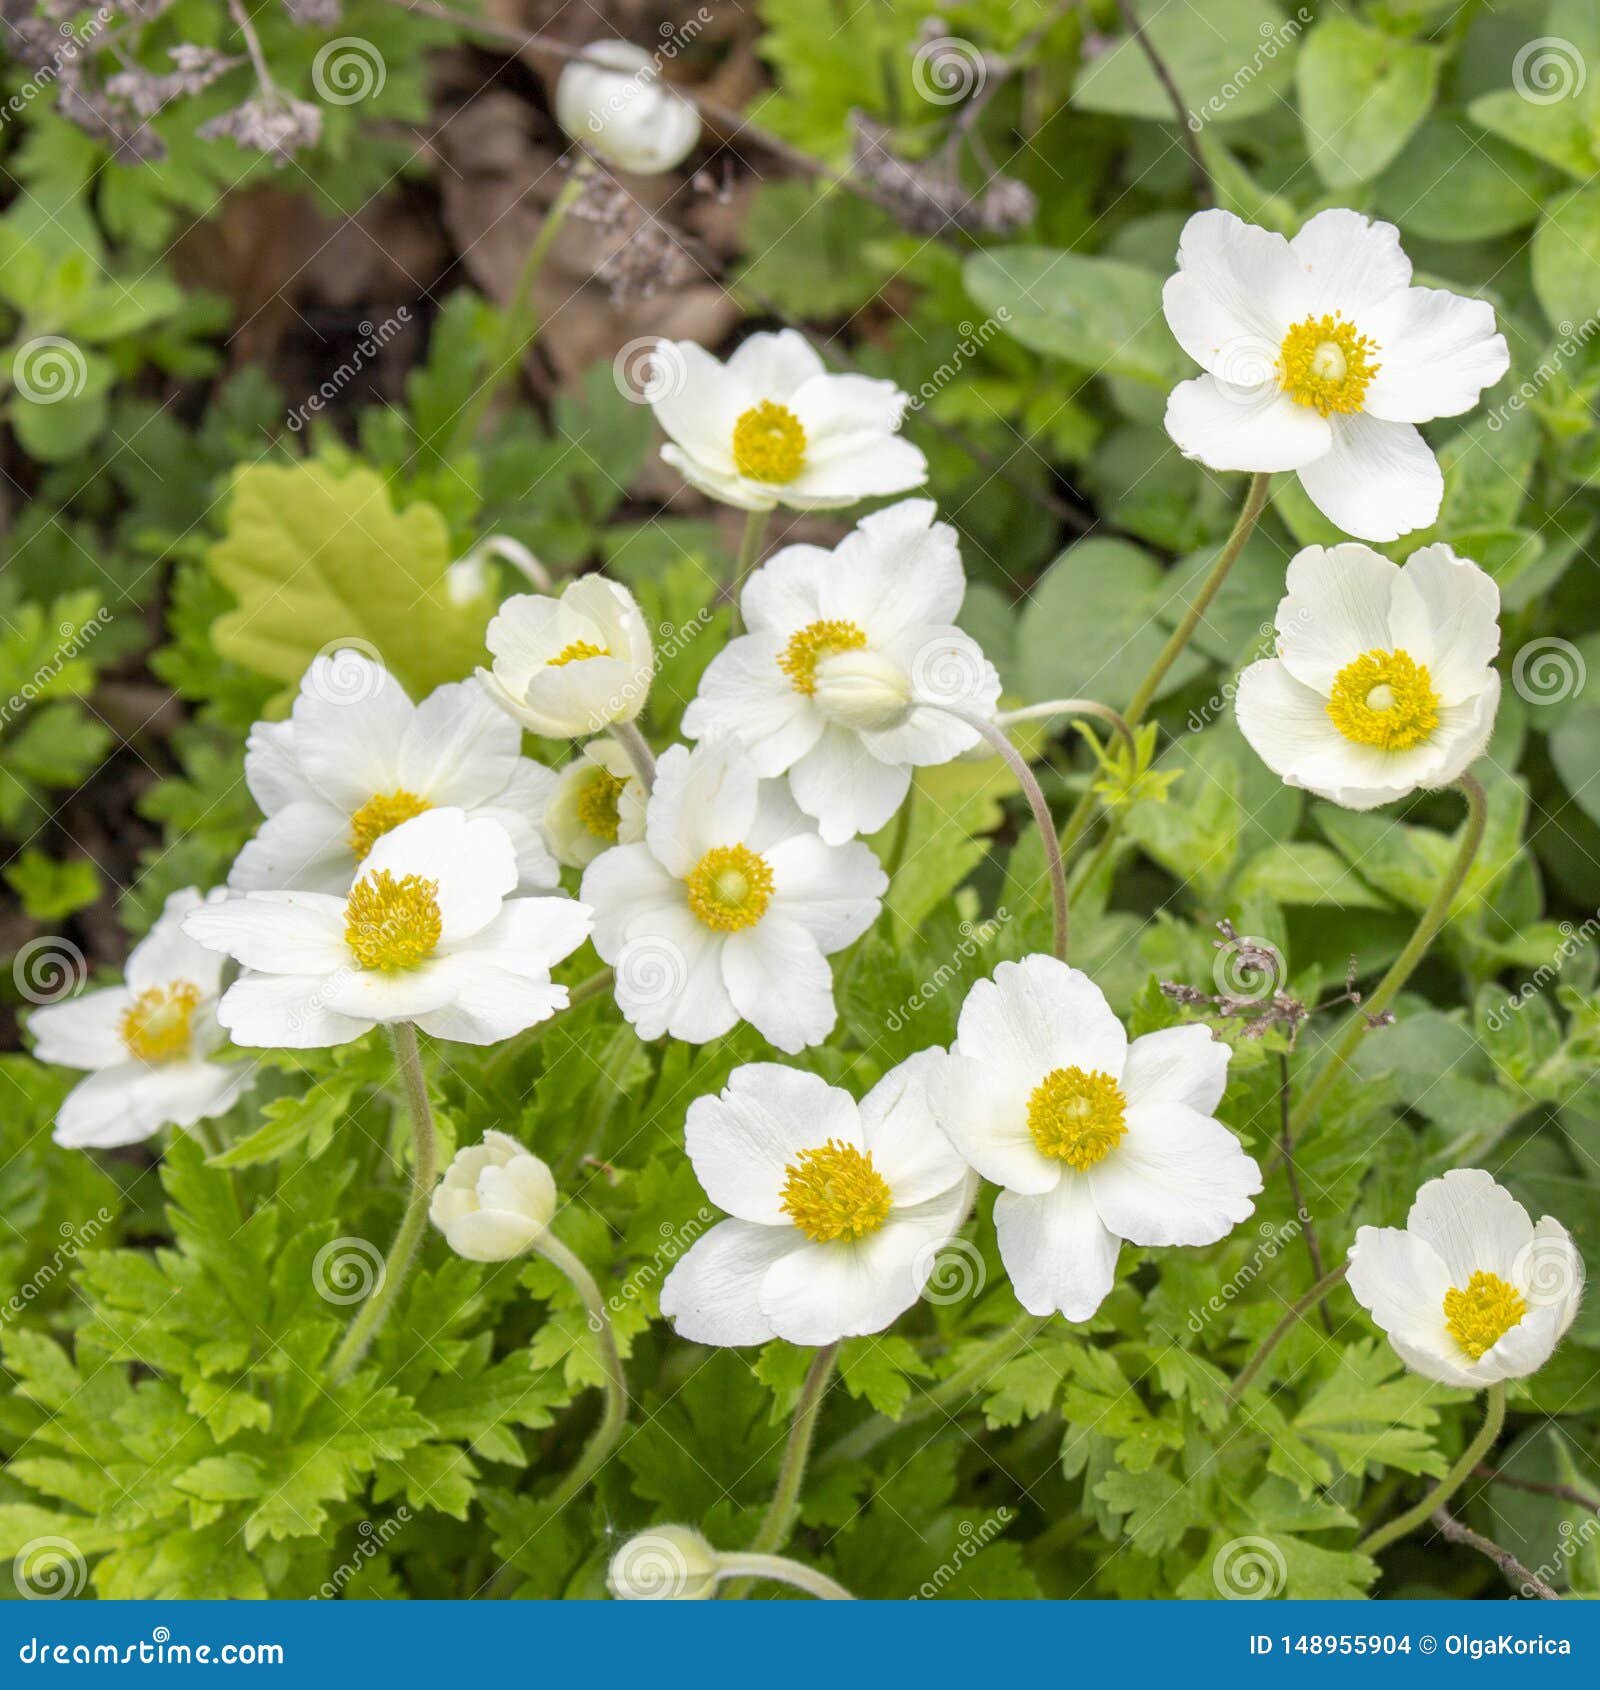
166, 1411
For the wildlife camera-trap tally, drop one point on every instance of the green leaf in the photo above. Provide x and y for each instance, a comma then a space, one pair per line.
1362, 94
1566, 259
314, 558
1453, 183
50, 889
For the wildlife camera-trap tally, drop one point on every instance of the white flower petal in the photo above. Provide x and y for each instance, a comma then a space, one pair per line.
774, 365
698, 403
271, 770
1038, 1015
821, 1293
459, 747
82, 1032
128, 1104
628, 890
785, 594
835, 892
471, 863
350, 721
276, 932
1446, 613
518, 808
1259, 428
845, 787
168, 952
898, 568
1437, 353
983, 1111
711, 1296
780, 982
1524, 1349
305, 845
1401, 1281
1056, 1249
1236, 286
1184, 1065
486, 1003
285, 1011
1177, 1177
732, 490
1335, 608
702, 798
1473, 1223
1378, 481
531, 935
901, 1130
1352, 262
866, 470
745, 694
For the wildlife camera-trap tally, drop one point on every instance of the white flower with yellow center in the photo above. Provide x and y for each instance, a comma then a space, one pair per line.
773, 427
597, 801
496, 1200
848, 656
1321, 358
839, 1210
147, 1043
1095, 1140
730, 908
1382, 682
429, 933
570, 666
356, 758
1469, 1291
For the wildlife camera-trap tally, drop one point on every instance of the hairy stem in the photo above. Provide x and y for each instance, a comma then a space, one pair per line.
755, 532
1114, 719
1494, 1417
746, 1562
371, 1315
627, 735
1281, 1331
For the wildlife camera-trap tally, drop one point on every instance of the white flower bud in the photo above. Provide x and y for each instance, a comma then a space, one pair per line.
625, 114
862, 689
495, 1201
664, 1564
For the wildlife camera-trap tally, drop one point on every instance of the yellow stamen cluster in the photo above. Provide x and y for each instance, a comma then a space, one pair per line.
835, 1192
1480, 1316
158, 1025
1077, 1116
1326, 364
807, 648
768, 443
392, 924
576, 652
730, 887
598, 804
1386, 699
381, 813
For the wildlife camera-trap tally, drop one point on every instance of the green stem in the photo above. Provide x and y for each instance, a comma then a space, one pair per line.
627, 735
371, 1315
1401, 969
518, 324
1071, 707
1281, 1331
604, 1438
1494, 1417
755, 531
780, 1567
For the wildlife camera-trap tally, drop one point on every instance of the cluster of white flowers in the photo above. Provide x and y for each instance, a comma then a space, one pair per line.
408, 867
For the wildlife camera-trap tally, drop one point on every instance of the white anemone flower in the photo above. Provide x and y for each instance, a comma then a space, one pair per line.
1469, 1291
614, 102
570, 666
1320, 357
730, 908
1095, 1140
1382, 682
429, 933
597, 801
147, 1044
356, 758
839, 1210
496, 1200
849, 656
772, 427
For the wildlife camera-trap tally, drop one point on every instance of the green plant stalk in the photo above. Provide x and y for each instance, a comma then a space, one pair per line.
603, 1440
1255, 501
777, 1524
1281, 1331
1072, 707
746, 1562
627, 735
750, 542
518, 324
369, 1318
1494, 1418
1401, 969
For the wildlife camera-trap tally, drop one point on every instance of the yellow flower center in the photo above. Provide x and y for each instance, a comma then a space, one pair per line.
1326, 364
835, 1192
382, 812
1479, 1317
807, 648
1077, 1115
576, 652
1386, 699
730, 887
768, 443
392, 924
159, 1024
598, 804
